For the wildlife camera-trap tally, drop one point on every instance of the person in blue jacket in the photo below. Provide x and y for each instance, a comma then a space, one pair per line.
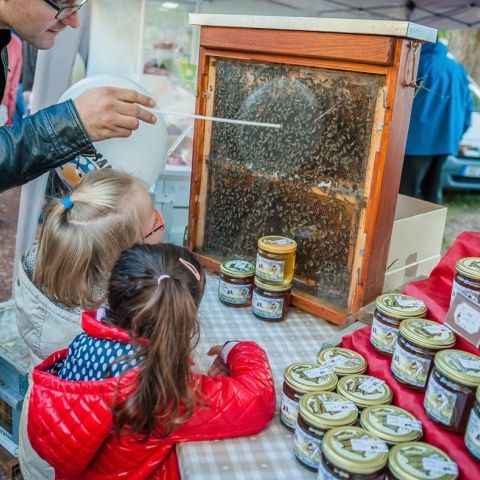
441, 114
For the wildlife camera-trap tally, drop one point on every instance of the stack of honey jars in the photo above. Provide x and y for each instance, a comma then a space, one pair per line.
273, 277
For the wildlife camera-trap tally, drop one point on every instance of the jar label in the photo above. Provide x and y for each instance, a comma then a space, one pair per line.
267, 307
372, 384
472, 437
324, 474
368, 445
288, 411
439, 402
438, 466
410, 368
383, 337
307, 447
272, 270
338, 405
233, 293
472, 294
403, 423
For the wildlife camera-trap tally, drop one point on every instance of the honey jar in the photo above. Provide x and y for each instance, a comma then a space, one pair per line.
391, 424
342, 361
351, 453
276, 260
450, 394
236, 283
472, 436
365, 390
390, 310
467, 279
318, 413
418, 342
270, 302
300, 378
418, 460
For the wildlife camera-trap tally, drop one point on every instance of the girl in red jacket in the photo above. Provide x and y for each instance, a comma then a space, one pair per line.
118, 400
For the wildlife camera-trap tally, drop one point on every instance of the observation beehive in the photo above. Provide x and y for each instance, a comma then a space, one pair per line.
328, 178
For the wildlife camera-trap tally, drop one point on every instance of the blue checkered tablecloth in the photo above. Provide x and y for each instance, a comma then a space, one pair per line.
268, 455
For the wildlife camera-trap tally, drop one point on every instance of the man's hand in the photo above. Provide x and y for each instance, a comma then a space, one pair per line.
217, 367
109, 112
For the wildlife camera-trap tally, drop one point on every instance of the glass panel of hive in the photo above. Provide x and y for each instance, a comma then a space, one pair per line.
305, 181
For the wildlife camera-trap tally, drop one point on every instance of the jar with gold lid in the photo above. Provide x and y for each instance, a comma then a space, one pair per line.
342, 361
390, 310
276, 259
472, 435
420, 461
236, 283
300, 378
391, 424
365, 390
351, 453
318, 413
451, 388
418, 342
467, 279
270, 302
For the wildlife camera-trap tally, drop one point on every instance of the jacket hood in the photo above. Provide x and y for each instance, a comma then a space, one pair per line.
74, 416
437, 48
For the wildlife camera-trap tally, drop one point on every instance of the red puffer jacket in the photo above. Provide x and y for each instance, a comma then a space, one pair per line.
70, 423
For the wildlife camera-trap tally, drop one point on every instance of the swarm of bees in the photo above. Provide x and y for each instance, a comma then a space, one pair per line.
292, 181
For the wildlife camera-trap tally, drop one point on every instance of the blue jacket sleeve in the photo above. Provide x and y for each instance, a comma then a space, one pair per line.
40, 142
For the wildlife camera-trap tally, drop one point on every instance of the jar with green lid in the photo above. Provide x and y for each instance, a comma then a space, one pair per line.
418, 342
390, 310
300, 378
467, 279
472, 435
236, 283
276, 259
391, 424
270, 302
451, 388
365, 390
351, 453
420, 461
342, 361
318, 413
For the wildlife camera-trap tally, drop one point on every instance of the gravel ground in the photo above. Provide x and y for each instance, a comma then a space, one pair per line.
9, 201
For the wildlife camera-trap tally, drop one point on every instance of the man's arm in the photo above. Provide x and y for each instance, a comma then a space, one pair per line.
40, 142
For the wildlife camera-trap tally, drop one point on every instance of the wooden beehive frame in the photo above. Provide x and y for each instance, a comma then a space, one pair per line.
393, 58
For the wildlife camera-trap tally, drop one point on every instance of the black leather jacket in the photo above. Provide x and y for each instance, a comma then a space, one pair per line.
40, 142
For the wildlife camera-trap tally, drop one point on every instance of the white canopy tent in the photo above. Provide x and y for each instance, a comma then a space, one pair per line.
117, 26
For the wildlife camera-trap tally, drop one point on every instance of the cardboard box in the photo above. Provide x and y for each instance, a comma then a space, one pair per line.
416, 243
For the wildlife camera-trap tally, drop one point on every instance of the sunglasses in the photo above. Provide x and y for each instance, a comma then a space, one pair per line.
64, 12
159, 224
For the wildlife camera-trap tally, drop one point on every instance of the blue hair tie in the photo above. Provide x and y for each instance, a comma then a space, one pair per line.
67, 203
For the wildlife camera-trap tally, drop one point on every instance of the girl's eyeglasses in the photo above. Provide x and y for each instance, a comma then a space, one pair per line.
159, 224
65, 11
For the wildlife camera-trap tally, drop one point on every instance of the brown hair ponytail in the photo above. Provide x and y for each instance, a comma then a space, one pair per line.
155, 298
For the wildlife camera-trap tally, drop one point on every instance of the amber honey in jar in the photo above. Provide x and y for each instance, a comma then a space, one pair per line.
365, 390
270, 302
318, 413
420, 461
276, 259
391, 424
472, 435
390, 310
351, 453
342, 361
300, 378
418, 342
467, 279
450, 394
236, 283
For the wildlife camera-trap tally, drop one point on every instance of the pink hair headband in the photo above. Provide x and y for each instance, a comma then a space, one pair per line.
187, 265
